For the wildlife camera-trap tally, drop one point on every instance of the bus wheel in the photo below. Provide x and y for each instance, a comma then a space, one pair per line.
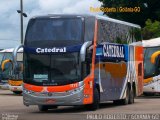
42, 108
126, 100
17, 92
131, 97
95, 104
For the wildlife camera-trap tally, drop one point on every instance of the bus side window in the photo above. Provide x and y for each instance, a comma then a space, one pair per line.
139, 69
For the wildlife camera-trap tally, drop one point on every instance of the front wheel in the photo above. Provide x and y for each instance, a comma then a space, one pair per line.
95, 104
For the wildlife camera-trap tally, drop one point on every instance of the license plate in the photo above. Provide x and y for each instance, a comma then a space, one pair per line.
15, 88
50, 101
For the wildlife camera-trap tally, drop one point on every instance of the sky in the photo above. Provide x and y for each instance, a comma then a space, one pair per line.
10, 19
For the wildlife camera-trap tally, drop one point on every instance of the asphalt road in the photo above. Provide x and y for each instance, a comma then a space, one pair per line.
11, 107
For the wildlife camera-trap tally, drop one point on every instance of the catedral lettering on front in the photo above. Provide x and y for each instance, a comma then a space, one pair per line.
49, 50
81, 60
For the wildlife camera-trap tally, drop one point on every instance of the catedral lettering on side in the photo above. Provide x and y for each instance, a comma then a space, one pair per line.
51, 50
113, 51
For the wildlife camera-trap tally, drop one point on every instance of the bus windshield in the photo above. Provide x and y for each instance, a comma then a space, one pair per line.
149, 68
57, 69
8, 67
5, 74
1, 56
54, 29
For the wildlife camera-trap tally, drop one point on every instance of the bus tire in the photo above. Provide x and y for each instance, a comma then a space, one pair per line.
17, 92
126, 100
42, 108
131, 97
95, 104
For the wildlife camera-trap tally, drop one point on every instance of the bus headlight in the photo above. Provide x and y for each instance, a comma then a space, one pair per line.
28, 91
76, 90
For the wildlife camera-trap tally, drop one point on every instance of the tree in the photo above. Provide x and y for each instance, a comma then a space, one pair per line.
151, 30
149, 9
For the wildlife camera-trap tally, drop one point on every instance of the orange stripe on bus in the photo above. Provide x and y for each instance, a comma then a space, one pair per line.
88, 91
139, 64
147, 80
15, 82
89, 81
94, 48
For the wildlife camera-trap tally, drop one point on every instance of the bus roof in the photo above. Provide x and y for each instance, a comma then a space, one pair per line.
10, 50
87, 16
152, 42
139, 43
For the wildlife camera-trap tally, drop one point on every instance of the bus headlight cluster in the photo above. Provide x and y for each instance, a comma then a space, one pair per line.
28, 91
76, 90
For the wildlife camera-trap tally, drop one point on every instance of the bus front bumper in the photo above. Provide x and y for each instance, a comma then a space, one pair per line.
152, 87
72, 97
15, 88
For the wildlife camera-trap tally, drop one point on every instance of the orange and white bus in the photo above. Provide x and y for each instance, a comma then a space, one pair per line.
151, 69
4, 75
81, 60
9, 79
